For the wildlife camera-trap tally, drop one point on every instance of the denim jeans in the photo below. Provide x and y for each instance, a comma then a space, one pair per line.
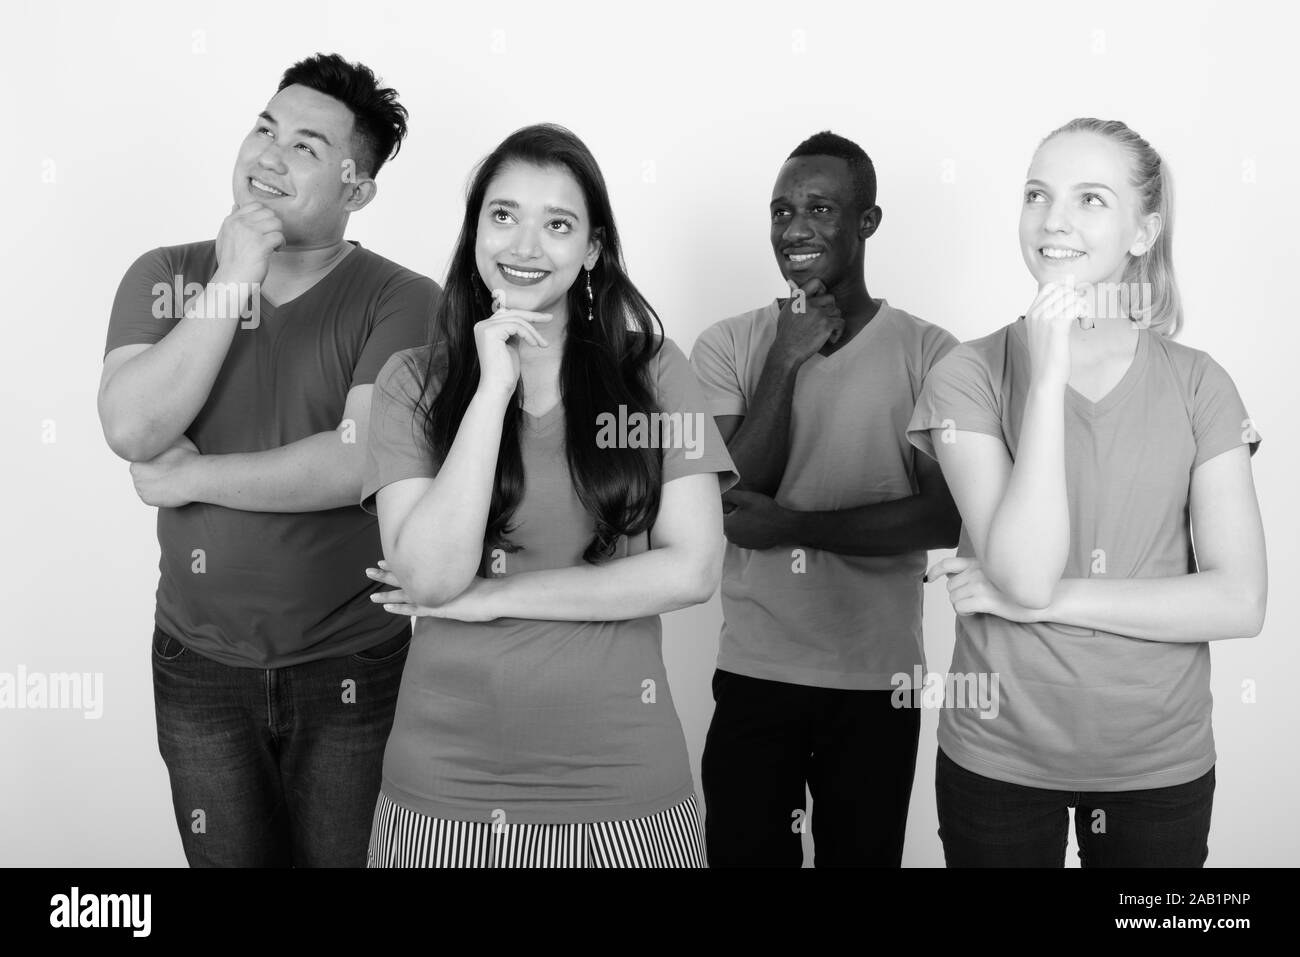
988, 823
275, 767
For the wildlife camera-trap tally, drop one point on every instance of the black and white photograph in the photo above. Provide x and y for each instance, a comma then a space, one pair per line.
708, 436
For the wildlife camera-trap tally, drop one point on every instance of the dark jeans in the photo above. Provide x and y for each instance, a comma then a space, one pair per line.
988, 823
854, 750
275, 767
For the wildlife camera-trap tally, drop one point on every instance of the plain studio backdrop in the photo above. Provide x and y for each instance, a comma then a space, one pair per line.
121, 128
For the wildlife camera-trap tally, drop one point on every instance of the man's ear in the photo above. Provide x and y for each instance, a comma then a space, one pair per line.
869, 222
594, 247
360, 192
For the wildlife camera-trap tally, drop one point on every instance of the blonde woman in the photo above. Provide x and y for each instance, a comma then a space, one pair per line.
1084, 447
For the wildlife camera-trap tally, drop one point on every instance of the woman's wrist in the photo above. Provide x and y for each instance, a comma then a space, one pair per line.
493, 397
1044, 386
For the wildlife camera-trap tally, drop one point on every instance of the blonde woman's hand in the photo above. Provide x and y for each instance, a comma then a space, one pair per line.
1057, 306
971, 593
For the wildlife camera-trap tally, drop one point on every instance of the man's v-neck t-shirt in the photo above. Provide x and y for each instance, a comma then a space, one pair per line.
273, 589
806, 615
1081, 709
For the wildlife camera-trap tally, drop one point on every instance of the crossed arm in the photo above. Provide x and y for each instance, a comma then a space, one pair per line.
682, 567
433, 529
926, 520
318, 472
1225, 598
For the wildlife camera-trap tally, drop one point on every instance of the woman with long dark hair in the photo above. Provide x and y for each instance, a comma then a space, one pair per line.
546, 477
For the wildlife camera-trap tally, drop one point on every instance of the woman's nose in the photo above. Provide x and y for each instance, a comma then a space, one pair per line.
1057, 219
527, 244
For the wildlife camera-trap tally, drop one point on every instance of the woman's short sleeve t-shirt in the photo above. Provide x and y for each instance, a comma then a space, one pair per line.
545, 721
1079, 709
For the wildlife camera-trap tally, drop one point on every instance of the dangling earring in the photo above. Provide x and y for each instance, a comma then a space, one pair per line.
590, 299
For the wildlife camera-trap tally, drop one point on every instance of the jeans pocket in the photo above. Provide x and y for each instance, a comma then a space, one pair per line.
388, 650
165, 647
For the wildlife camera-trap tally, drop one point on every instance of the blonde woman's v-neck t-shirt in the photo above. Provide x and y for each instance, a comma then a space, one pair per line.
545, 722
1081, 709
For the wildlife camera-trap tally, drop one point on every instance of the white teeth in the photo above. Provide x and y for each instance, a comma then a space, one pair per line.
803, 257
521, 274
1051, 253
268, 189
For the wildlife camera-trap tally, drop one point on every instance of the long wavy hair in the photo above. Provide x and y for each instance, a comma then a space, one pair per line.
605, 364
1155, 186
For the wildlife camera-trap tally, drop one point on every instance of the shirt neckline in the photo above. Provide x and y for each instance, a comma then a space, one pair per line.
1118, 391
269, 309
540, 423
852, 344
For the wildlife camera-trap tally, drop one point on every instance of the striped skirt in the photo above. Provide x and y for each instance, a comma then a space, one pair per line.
404, 838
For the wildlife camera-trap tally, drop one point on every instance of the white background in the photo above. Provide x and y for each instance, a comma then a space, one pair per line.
121, 124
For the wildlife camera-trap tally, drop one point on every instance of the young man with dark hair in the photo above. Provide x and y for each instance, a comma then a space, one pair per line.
827, 537
237, 380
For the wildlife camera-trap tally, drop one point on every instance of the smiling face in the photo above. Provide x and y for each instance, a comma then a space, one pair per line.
1081, 216
294, 160
815, 220
534, 237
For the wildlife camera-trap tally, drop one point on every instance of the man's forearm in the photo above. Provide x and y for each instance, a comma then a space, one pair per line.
316, 473
151, 400
904, 525
761, 445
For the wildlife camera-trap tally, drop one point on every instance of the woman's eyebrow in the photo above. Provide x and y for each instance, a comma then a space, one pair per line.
1095, 186
551, 210
1040, 183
